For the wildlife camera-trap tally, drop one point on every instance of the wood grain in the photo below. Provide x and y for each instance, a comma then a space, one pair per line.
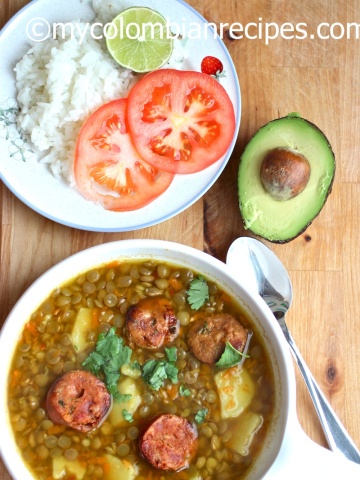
321, 80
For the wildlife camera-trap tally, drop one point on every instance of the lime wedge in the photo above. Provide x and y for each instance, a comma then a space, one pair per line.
138, 39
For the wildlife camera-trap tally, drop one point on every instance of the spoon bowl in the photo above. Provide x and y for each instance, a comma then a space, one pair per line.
255, 264
260, 268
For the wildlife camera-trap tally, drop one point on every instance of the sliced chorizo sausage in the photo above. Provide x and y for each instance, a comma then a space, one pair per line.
207, 337
151, 323
79, 400
169, 442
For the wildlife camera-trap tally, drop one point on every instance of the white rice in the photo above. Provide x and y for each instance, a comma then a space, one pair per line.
106, 10
60, 82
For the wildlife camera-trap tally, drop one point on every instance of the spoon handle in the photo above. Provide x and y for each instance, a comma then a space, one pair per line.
338, 438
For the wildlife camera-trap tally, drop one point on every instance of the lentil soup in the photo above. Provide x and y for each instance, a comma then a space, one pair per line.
224, 405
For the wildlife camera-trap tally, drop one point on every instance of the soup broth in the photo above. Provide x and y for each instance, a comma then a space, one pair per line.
230, 407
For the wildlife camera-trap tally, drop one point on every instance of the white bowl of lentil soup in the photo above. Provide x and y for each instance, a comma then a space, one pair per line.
142, 359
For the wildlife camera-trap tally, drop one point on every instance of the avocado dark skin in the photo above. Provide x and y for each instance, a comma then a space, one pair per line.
286, 174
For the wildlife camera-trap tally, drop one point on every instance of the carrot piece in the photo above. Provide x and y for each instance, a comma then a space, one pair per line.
175, 283
114, 263
16, 375
172, 391
55, 429
97, 460
95, 318
31, 328
100, 461
225, 297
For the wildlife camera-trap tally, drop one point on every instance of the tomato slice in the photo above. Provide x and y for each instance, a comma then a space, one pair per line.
108, 170
180, 121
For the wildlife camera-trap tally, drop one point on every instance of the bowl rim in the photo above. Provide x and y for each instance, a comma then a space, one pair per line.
175, 253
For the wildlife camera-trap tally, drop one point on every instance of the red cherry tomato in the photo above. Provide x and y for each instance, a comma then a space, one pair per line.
212, 66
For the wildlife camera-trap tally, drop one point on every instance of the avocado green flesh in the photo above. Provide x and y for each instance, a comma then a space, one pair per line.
281, 221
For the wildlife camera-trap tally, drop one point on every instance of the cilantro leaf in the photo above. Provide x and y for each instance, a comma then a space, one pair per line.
230, 357
123, 397
135, 365
201, 415
171, 372
171, 354
184, 391
127, 416
94, 363
155, 372
105, 362
198, 292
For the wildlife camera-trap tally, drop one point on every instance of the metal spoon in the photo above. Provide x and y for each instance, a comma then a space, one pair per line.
257, 266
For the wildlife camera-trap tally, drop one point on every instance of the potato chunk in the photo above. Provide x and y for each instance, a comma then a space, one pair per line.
119, 469
62, 466
236, 391
86, 320
244, 431
127, 386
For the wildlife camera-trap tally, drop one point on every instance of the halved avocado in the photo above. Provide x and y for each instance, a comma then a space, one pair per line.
279, 195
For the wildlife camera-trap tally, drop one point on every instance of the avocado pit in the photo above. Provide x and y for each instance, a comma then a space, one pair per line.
284, 173
283, 138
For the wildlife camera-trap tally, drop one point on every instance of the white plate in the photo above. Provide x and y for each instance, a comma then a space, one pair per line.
33, 183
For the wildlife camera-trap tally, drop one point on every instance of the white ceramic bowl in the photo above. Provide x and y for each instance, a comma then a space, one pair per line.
277, 456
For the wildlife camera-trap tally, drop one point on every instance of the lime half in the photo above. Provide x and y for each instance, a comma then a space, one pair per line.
138, 38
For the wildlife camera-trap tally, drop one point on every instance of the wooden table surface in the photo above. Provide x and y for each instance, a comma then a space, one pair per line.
320, 78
